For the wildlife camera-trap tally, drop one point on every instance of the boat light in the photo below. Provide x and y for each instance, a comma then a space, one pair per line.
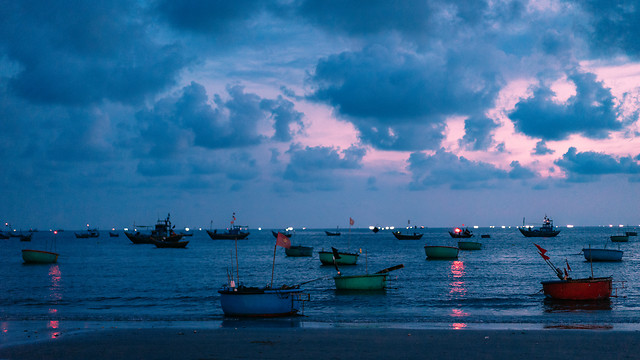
457, 230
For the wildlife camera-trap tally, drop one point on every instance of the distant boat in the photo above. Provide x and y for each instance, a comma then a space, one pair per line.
260, 302
4, 236
346, 258
138, 237
113, 234
631, 233
485, 236
170, 244
39, 257
186, 233
299, 251
546, 230
90, 233
401, 236
591, 254
233, 233
329, 233
162, 231
375, 229
469, 245
288, 234
24, 237
458, 233
376, 281
619, 238
441, 252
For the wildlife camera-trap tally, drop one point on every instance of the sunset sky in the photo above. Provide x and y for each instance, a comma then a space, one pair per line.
305, 113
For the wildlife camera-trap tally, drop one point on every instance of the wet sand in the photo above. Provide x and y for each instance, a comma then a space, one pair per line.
330, 343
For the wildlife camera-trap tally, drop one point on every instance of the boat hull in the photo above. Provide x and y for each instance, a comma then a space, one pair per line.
39, 257
602, 254
138, 238
299, 251
414, 236
578, 289
171, 244
469, 245
539, 233
619, 238
329, 233
260, 302
326, 258
214, 235
361, 282
441, 252
631, 233
460, 235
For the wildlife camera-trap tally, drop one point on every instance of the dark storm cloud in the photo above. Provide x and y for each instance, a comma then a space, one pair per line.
399, 100
189, 118
314, 168
613, 26
78, 52
477, 133
589, 165
518, 172
208, 16
445, 168
541, 149
591, 112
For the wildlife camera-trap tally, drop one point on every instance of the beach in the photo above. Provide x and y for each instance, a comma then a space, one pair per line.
330, 343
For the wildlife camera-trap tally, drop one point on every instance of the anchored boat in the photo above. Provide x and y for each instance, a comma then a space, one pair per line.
346, 258
458, 233
469, 245
261, 302
235, 232
39, 257
602, 254
546, 230
441, 252
299, 251
619, 238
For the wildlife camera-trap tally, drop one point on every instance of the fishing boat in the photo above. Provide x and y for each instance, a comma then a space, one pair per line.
591, 254
458, 233
376, 281
163, 231
89, 233
631, 233
401, 236
261, 302
346, 258
39, 257
566, 288
546, 230
485, 236
24, 237
170, 244
113, 234
299, 251
138, 237
329, 233
235, 232
441, 252
619, 238
285, 233
469, 245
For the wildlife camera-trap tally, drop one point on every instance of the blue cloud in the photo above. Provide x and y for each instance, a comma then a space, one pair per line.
477, 133
541, 149
592, 112
589, 166
445, 168
216, 16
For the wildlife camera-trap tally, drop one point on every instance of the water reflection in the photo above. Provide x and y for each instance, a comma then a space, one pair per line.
55, 295
457, 284
558, 306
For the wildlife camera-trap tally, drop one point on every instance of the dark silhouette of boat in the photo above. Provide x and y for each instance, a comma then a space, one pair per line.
375, 229
401, 236
458, 233
285, 233
113, 234
330, 233
169, 243
233, 233
163, 231
546, 230
90, 233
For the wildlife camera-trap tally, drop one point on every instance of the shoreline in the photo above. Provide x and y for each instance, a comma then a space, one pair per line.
190, 342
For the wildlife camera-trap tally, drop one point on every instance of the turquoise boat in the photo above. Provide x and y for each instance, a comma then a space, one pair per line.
441, 252
299, 251
361, 282
261, 302
326, 258
39, 257
469, 245
602, 254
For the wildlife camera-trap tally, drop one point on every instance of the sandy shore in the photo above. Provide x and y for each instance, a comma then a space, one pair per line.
332, 343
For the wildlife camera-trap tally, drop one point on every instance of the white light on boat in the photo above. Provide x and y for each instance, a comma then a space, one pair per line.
259, 229
620, 225
503, 226
126, 229
610, 225
569, 226
290, 228
475, 226
371, 227
391, 227
200, 229
186, 229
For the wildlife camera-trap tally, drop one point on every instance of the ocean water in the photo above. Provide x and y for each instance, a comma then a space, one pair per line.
110, 279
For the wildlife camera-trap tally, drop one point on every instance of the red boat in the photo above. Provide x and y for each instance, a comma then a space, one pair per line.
578, 289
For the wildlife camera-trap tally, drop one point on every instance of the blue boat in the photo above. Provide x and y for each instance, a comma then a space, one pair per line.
261, 302
602, 254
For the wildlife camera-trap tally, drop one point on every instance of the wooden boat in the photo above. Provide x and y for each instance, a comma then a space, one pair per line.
163, 231
485, 236
288, 234
170, 244
469, 245
113, 234
458, 233
138, 238
361, 282
578, 289
39, 257
326, 258
401, 236
234, 233
631, 233
619, 238
441, 252
299, 251
261, 302
329, 233
546, 230
591, 254
90, 233
25, 237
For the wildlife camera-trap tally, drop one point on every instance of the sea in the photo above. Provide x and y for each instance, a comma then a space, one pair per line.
109, 280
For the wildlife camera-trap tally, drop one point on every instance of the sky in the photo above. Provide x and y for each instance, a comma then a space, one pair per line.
307, 113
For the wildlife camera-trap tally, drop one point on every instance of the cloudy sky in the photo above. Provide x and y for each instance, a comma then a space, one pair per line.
305, 113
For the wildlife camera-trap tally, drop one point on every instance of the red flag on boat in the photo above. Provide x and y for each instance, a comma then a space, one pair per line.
542, 251
568, 267
351, 222
566, 273
545, 256
283, 240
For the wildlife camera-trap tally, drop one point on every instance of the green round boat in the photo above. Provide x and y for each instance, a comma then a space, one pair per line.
361, 282
441, 252
469, 245
326, 258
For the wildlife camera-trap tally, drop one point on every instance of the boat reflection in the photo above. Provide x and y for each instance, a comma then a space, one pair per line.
557, 306
261, 323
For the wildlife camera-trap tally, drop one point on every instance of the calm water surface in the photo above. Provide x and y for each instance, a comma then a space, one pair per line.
111, 279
